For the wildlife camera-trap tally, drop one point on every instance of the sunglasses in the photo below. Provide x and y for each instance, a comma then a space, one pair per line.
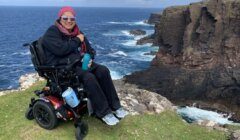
65, 18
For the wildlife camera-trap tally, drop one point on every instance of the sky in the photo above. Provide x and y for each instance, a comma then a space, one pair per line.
97, 3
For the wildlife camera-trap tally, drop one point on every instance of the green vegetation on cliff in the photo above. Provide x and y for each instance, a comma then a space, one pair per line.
166, 125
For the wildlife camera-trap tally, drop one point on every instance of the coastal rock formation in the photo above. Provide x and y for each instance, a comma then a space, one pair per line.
137, 32
154, 18
139, 101
28, 80
211, 125
25, 81
199, 55
145, 40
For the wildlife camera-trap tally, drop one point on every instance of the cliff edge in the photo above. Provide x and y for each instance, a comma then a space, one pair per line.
199, 56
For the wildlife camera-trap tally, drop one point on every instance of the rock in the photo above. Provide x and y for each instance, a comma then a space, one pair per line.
220, 128
140, 108
154, 18
7, 92
235, 135
28, 80
211, 125
207, 123
145, 40
137, 32
198, 56
138, 101
25, 81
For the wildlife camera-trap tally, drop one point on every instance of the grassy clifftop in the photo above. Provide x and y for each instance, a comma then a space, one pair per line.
166, 125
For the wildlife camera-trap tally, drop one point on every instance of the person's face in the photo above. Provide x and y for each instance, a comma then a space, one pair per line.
68, 20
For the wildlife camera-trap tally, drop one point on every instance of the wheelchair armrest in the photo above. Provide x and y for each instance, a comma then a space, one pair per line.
66, 67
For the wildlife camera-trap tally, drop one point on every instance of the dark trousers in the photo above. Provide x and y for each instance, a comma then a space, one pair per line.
100, 89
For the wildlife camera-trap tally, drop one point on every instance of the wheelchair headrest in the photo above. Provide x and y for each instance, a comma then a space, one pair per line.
37, 53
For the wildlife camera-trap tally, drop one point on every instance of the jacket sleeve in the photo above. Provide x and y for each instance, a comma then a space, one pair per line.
90, 50
53, 42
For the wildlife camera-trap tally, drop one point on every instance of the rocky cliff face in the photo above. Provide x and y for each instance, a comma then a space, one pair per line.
199, 55
154, 18
202, 35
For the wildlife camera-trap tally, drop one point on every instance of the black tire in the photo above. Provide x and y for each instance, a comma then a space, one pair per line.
29, 114
44, 115
81, 130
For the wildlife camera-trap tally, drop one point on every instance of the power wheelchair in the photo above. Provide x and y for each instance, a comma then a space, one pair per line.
50, 107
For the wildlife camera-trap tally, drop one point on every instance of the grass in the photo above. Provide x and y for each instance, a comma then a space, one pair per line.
164, 126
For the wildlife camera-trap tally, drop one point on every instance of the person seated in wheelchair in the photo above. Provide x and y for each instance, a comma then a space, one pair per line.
63, 43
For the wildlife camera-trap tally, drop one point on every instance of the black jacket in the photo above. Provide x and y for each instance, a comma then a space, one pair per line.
61, 49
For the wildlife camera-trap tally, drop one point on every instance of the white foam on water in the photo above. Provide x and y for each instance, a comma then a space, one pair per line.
200, 114
130, 43
133, 42
126, 33
140, 56
141, 23
111, 34
115, 75
121, 53
149, 32
9, 87
25, 53
112, 22
118, 33
21, 53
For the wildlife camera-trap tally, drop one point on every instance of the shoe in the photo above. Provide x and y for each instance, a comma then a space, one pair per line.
121, 113
110, 119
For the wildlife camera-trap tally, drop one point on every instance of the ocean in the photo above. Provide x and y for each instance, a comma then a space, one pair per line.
106, 28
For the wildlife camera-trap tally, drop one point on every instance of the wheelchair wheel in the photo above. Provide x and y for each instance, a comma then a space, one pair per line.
29, 114
81, 130
44, 115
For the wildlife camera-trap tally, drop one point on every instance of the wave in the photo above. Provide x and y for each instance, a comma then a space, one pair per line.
133, 43
141, 23
197, 114
140, 56
21, 53
130, 43
9, 87
116, 75
120, 53
126, 33
118, 33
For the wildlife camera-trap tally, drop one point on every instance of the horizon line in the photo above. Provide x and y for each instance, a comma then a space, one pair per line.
79, 6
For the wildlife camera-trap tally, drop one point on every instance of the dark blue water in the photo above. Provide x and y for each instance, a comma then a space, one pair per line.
106, 28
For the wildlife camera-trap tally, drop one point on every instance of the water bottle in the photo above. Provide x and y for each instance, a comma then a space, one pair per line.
70, 97
85, 61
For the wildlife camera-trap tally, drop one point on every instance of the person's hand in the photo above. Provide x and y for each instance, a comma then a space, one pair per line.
81, 37
90, 63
